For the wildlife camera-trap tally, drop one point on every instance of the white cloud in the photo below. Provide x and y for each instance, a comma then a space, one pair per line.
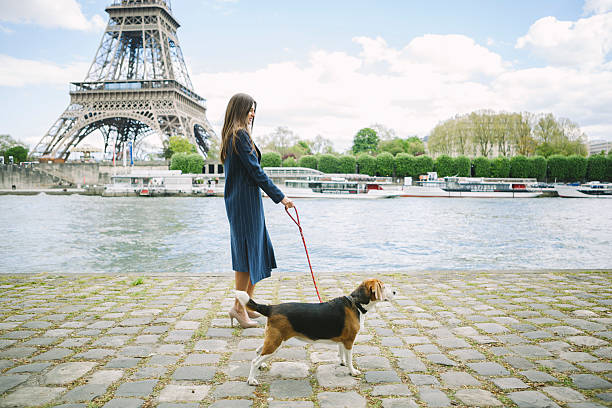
410, 89
56, 13
585, 42
15, 72
597, 6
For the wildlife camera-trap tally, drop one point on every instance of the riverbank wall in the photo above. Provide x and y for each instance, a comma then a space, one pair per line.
52, 175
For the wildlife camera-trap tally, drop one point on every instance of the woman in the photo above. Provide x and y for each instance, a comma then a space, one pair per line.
252, 252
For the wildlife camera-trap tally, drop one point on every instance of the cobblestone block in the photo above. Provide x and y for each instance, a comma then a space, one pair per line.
136, 388
341, 400
67, 372
31, 396
531, 399
176, 392
290, 389
477, 398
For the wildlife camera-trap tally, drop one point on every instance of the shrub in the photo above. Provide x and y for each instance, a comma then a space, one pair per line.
596, 167
557, 168
195, 163
423, 165
328, 163
537, 168
482, 167
444, 166
609, 167
366, 164
270, 159
347, 164
576, 167
404, 164
519, 167
289, 162
463, 166
308, 161
500, 167
385, 164
179, 161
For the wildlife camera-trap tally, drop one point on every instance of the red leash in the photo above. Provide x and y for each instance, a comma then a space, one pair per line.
306, 249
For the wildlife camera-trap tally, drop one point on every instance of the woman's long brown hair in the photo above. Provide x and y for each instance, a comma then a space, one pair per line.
236, 118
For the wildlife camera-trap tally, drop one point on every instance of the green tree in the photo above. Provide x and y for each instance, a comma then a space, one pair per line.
289, 162
393, 146
308, 161
557, 168
180, 144
366, 164
365, 141
576, 168
538, 168
609, 166
596, 167
414, 146
328, 163
385, 164
519, 167
500, 167
423, 165
347, 164
444, 166
463, 166
271, 159
482, 167
19, 153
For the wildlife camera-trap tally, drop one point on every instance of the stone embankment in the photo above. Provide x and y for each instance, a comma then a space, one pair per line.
469, 339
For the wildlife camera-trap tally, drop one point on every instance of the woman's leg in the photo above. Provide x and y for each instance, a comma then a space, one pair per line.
243, 282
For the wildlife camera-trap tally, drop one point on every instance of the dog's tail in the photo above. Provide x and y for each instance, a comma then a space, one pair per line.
245, 300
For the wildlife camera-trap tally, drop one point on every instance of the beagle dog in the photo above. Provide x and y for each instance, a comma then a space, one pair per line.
338, 321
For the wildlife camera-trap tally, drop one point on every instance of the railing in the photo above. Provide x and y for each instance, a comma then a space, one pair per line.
165, 3
134, 85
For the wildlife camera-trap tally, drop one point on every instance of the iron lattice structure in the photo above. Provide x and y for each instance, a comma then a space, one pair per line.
137, 85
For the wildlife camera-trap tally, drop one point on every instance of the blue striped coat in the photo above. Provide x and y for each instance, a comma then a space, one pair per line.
251, 246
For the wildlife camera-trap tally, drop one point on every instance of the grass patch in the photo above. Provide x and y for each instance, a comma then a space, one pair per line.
137, 281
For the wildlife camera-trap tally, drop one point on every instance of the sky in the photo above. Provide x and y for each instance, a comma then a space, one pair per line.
330, 68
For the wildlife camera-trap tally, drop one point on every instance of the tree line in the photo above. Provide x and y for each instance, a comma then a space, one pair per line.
487, 133
10, 147
556, 168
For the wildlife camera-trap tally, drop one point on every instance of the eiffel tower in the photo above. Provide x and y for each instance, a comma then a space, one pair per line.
137, 85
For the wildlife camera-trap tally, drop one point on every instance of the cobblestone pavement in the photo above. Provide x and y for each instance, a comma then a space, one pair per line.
513, 339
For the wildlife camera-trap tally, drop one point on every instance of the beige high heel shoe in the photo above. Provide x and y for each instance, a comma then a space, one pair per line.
244, 323
253, 314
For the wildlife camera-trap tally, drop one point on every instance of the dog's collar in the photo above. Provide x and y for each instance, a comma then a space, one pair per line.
358, 305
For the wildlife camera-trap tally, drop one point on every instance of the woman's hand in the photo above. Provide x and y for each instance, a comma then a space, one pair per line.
287, 203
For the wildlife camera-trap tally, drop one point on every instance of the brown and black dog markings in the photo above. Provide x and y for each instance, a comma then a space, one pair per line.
338, 321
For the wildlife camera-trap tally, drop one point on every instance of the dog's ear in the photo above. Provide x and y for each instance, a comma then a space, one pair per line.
374, 286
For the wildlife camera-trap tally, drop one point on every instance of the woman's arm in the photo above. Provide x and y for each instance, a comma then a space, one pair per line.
248, 157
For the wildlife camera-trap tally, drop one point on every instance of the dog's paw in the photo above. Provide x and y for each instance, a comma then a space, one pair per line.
342, 363
252, 381
263, 366
355, 372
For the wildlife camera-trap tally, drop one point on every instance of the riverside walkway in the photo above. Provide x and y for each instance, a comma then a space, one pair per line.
452, 338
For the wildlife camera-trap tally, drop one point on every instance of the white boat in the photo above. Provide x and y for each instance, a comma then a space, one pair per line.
337, 187
156, 183
431, 186
593, 189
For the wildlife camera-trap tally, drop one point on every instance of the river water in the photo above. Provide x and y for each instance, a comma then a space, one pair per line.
85, 234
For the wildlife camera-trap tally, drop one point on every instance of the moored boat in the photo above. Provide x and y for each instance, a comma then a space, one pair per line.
431, 186
337, 187
592, 189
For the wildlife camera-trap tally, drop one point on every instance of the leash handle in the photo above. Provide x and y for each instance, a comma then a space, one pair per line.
296, 220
